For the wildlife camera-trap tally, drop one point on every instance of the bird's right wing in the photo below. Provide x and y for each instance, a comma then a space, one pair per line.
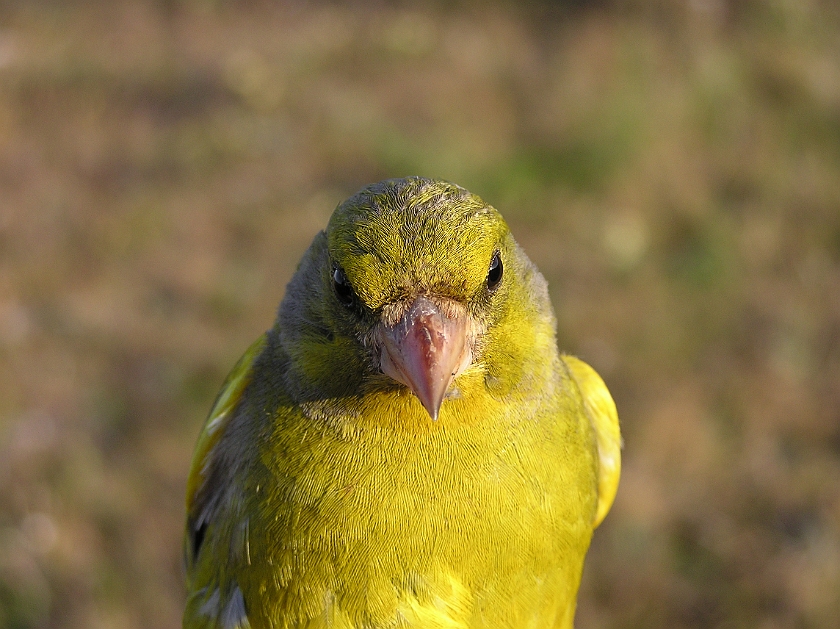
215, 600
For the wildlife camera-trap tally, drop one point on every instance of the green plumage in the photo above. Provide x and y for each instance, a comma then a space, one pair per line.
322, 494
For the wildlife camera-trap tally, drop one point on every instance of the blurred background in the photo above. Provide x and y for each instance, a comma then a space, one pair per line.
673, 168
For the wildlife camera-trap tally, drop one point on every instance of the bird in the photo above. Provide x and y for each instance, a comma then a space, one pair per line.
405, 447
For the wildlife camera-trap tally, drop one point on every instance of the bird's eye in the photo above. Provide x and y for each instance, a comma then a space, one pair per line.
494, 275
342, 287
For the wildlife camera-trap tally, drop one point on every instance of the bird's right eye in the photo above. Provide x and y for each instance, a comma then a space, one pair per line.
342, 287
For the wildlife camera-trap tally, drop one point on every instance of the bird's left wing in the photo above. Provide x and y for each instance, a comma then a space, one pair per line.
602, 412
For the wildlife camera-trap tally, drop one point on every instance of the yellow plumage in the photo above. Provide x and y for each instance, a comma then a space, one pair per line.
405, 447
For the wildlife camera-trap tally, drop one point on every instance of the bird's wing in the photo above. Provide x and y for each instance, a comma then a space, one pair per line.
215, 600
604, 416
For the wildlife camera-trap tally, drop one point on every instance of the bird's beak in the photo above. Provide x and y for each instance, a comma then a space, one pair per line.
425, 351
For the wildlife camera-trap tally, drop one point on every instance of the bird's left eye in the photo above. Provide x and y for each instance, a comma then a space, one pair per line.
494, 275
342, 287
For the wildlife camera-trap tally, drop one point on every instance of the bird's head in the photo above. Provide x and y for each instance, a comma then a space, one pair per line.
415, 280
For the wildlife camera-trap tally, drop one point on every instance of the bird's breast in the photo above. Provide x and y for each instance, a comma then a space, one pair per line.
488, 515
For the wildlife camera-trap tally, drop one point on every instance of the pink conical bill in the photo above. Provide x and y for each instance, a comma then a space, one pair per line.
425, 351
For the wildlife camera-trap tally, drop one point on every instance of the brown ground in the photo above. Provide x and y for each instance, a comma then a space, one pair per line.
672, 167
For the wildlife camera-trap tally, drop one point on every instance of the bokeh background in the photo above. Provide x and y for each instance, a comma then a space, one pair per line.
673, 167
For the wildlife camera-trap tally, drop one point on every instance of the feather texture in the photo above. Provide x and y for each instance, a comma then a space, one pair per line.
323, 495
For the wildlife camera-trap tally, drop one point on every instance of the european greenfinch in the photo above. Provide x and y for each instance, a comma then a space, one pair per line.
405, 447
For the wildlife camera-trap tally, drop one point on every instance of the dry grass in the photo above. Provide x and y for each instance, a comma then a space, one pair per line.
673, 169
